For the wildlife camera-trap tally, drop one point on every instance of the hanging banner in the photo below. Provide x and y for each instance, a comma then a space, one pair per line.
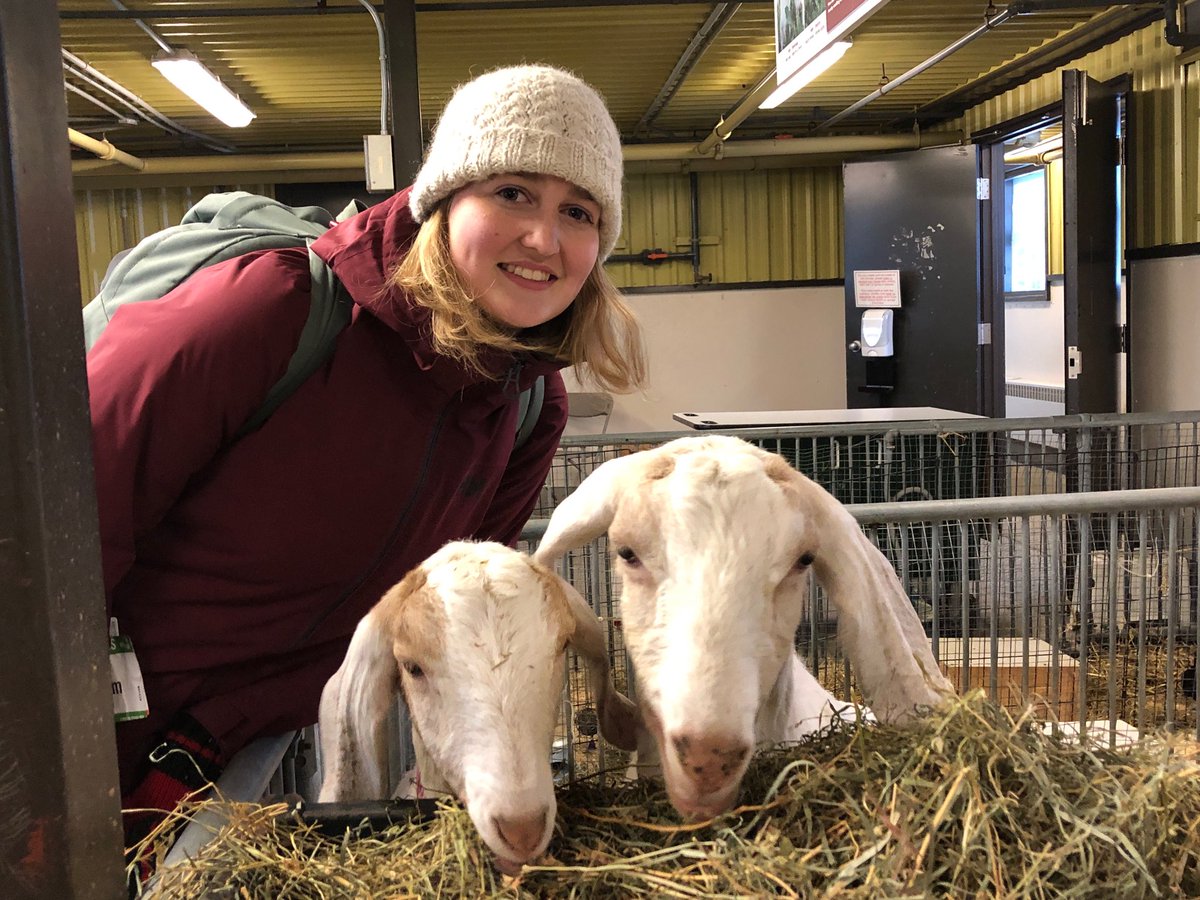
804, 28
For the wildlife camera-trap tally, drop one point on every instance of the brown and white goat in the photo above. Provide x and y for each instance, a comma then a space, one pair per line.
713, 541
475, 637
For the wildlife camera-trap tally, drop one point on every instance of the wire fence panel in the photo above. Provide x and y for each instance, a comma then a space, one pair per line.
957, 459
1029, 583
1027, 607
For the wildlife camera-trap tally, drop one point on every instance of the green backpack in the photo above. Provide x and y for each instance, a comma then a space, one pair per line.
224, 225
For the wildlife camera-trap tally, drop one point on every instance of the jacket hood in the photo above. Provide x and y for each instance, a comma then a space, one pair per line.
363, 249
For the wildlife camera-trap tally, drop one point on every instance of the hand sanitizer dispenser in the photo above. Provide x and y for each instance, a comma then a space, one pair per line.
877, 332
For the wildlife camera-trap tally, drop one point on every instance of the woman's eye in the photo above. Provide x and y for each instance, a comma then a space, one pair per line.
628, 555
510, 193
414, 670
579, 214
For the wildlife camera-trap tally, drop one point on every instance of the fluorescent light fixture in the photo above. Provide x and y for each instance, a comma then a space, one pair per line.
191, 76
806, 73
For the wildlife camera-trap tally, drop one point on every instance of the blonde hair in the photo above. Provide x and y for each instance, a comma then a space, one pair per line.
598, 332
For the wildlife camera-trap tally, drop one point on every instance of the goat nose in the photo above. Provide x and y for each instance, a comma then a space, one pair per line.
710, 761
523, 834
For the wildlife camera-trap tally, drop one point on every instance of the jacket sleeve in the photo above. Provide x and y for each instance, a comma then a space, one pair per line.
172, 380
521, 486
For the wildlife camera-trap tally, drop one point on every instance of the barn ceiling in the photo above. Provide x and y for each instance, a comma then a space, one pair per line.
310, 68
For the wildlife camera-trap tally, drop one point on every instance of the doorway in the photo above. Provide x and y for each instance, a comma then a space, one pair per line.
1054, 264
1030, 258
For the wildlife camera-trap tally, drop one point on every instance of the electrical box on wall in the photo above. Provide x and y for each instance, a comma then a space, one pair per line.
377, 155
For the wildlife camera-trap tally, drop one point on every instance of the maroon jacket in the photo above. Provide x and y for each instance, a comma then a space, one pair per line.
240, 568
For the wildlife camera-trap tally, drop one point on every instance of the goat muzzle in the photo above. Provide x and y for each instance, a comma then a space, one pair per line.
522, 834
704, 771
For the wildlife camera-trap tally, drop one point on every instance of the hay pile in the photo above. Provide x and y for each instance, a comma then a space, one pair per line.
967, 804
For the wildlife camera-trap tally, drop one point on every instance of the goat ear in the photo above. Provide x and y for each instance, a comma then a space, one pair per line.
587, 512
619, 719
877, 624
354, 715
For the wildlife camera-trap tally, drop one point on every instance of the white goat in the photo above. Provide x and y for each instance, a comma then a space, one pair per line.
714, 539
475, 638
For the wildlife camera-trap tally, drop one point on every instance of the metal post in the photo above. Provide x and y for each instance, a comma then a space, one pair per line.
400, 25
58, 769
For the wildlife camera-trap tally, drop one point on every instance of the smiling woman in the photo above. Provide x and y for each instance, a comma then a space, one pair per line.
239, 568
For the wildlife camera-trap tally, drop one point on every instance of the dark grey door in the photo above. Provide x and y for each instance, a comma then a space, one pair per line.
917, 212
1091, 167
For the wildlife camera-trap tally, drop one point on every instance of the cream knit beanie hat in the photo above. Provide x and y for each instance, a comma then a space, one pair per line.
534, 119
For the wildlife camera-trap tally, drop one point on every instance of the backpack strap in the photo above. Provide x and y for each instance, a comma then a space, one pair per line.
329, 312
529, 408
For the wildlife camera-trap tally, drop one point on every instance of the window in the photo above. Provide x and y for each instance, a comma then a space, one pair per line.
1025, 236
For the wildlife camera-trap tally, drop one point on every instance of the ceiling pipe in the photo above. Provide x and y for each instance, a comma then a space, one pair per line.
120, 118
104, 150
750, 102
239, 164
384, 82
684, 154
858, 143
1013, 158
916, 70
1036, 154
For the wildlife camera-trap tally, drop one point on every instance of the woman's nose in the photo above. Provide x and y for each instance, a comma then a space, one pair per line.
542, 235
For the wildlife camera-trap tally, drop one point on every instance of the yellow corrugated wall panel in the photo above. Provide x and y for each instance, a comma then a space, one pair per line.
1191, 143
727, 218
654, 207
107, 222
773, 225
781, 220
1166, 207
756, 226
1054, 217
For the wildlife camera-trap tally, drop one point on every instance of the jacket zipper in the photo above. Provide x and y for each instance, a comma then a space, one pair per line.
383, 554
512, 381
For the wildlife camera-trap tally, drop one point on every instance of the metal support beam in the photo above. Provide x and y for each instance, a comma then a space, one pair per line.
1101, 31
916, 70
717, 19
61, 832
319, 9
400, 23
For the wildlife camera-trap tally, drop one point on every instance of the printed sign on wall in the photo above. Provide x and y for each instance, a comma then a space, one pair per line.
875, 288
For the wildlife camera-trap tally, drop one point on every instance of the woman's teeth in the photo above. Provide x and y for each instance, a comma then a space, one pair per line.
530, 274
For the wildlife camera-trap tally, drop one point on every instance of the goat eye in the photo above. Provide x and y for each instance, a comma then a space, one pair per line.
628, 555
804, 561
414, 670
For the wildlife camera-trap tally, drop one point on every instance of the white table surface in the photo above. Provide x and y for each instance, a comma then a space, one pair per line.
772, 418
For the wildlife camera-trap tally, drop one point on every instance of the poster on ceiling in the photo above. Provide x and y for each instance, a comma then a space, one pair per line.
803, 28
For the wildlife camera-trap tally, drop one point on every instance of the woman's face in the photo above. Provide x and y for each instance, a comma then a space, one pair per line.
524, 245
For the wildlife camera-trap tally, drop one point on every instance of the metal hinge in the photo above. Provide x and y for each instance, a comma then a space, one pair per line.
983, 189
1074, 362
1123, 339
985, 333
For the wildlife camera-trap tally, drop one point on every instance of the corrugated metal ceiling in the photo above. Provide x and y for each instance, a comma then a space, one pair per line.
313, 79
